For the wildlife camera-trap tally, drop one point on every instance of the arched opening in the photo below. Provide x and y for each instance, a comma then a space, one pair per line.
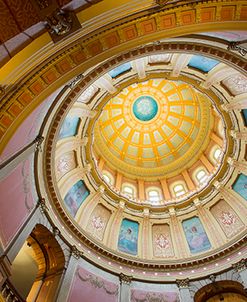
227, 291
42, 257
154, 195
129, 190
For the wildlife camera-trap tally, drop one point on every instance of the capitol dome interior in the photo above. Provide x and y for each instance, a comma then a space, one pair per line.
123, 129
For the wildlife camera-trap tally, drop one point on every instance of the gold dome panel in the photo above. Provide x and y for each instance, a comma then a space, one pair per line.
122, 137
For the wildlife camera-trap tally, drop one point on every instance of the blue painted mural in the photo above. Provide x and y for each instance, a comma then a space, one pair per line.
120, 69
240, 186
128, 237
196, 236
244, 114
202, 63
75, 197
69, 127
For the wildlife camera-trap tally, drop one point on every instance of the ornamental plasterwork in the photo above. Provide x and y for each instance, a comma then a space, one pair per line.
237, 84
97, 282
169, 170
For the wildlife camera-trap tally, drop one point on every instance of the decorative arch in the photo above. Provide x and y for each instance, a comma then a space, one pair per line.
50, 261
222, 291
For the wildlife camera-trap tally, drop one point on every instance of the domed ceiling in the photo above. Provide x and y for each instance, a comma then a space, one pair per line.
156, 124
142, 127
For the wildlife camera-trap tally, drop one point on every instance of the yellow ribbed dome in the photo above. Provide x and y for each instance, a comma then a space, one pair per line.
152, 125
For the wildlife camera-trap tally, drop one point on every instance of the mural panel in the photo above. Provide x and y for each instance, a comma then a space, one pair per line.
227, 218
75, 197
120, 69
244, 114
98, 221
240, 186
64, 164
89, 287
196, 236
138, 295
162, 243
69, 127
128, 237
203, 63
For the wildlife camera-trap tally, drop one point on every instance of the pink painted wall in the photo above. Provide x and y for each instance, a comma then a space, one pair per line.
92, 288
16, 201
145, 296
28, 130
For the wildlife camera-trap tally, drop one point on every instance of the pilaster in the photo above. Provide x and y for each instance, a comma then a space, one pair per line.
241, 268
209, 224
145, 234
9, 165
125, 282
183, 286
176, 231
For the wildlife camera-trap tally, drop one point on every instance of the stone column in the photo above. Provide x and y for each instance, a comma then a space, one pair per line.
239, 135
9, 165
237, 102
188, 180
234, 201
87, 207
145, 234
176, 231
5, 269
183, 286
165, 189
209, 224
206, 163
241, 268
113, 236
241, 166
125, 282
36, 216
67, 279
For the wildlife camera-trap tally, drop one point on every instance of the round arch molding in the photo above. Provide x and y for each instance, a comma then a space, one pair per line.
55, 66
221, 291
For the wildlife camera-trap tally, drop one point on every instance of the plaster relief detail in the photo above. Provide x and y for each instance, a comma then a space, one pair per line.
98, 221
64, 164
227, 218
237, 84
144, 296
162, 243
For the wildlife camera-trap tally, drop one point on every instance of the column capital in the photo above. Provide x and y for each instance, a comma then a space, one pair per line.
5, 269
212, 278
84, 141
183, 283
121, 204
56, 231
172, 211
197, 202
146, 212
125, 278
38, 142
42, 205
240, 266
217, 185
76, 253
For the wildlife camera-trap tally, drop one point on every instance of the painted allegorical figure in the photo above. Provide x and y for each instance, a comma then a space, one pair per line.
128, 237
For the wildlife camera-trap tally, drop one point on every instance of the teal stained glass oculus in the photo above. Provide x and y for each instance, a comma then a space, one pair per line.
145, 108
